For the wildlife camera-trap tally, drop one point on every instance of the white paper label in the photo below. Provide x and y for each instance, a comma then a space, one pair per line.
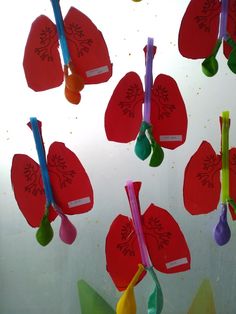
79, 202
97, 71
177, 262
170, 138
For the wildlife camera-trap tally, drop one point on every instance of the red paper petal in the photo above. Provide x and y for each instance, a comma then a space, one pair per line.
199, 29
231, 24
122, 252
168, 113
42, 64
232, 179
166, 243
136, 186
28, 189
88, 50
202, 181
72, 189
123, 115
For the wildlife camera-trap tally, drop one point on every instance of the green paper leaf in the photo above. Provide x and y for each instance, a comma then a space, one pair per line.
203, 302
90, 301
155, 301
45, 232
142, 146
157, 155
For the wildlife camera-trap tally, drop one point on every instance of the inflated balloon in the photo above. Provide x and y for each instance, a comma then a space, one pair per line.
222, 231
44, 234
126, 303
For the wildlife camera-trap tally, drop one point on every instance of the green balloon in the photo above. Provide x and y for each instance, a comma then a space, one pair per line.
157, 155
142, 147
232, 61
155, 301
45, 232
210, 66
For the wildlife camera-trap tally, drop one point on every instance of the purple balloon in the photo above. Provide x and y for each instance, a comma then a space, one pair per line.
222, 231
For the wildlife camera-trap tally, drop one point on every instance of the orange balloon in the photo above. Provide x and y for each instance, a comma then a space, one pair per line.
72, 97
74, 82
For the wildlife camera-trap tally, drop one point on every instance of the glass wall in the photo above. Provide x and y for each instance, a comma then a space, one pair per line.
36, 279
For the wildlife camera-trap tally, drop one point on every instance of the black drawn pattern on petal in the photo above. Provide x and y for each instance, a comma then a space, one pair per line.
165, 108
154, 228
48, 39
75, 34
58, 167
211, 165
210, 10
33, 178
126, 247
132, 98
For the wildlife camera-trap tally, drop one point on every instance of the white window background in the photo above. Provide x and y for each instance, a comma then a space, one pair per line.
37, 279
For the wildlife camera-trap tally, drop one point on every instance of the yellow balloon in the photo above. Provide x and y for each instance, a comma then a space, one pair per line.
127, 304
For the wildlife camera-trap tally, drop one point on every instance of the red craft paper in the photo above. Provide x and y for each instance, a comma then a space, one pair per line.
71, 186
88, 50
28, 189
72, 190
165, 241
122, 252
232, 179
230, 27
123, 115
199, 29
168, 113
42, 64
202, 181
